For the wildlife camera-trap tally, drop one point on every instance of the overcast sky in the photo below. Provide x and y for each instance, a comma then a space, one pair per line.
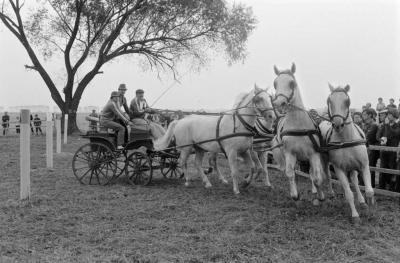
343, 42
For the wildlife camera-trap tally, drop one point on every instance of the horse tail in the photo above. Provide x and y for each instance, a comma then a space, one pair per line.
164, 141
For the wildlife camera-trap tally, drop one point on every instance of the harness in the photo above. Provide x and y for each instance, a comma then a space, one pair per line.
299, 132
252, 131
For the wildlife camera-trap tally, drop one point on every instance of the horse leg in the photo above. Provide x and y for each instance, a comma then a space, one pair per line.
354, 180
329, 176
290, 162
263, 157
248, 162
232, 159
198, 163
184, 154
348, 194
316, 178
369, 191
255, 157
213, 163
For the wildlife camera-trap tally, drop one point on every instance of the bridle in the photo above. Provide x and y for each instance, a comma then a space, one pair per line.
261, 111
344, 118
290, 97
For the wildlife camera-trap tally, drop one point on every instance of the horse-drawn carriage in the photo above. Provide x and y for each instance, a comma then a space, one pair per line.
99, 161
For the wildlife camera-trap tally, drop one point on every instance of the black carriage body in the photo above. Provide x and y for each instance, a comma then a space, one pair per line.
138, 138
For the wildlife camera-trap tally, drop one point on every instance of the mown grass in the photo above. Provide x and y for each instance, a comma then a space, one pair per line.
166, 222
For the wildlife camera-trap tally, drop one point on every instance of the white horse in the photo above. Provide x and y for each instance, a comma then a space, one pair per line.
348, 152
263, 129
230, 134
297, 134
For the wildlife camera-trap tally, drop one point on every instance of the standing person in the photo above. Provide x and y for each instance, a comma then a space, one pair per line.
33, 132
93, 124
399, 106
381, 105
110, 116
357, 118
5, 122
122, 90
370, 129
37, 122
391, 137
18, 125
391, 104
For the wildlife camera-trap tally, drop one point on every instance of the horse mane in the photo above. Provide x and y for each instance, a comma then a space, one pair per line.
239, 98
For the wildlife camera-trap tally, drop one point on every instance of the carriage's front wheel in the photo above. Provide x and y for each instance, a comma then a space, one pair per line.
94, 163
139, 170
170, 168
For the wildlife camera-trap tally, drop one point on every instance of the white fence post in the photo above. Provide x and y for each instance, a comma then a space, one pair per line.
49, 140
25, 155
65, 128
58, 133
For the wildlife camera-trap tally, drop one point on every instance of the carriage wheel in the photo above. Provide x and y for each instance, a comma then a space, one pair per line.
170, 168
139, 170
94, 163
121, 164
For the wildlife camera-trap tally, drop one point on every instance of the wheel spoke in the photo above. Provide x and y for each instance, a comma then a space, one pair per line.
91, 176
84, 174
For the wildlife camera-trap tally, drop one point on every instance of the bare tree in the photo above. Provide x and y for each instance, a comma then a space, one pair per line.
94, 32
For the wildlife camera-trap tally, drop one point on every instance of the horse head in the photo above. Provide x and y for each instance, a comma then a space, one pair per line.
339, 106
285, 85
263, 104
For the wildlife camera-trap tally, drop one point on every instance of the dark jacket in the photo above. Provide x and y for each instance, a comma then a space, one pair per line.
371, 131
392, 132
37, 122
124, 104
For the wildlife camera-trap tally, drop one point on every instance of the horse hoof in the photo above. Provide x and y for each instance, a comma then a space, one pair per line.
244, 184
208, 185
371, 201
236, 192
356, 221
224, 181
316, 202
364, 206
269, 186
187, 184
296, 198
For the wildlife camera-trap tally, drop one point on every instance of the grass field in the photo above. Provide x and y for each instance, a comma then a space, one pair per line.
166, 222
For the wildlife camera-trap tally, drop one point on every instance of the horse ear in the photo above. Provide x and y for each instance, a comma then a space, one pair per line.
256, 88
277, 72
293, 69
347, 88
331, 87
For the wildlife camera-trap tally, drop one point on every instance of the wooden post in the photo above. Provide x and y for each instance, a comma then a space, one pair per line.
49, 140
58, 133
25, 155
65, 128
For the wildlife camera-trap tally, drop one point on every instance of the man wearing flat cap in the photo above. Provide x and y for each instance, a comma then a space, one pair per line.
139, 106
138, 109
111, 115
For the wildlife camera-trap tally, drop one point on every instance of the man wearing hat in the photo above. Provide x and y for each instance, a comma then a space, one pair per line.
122, 90
139, 106
110, 116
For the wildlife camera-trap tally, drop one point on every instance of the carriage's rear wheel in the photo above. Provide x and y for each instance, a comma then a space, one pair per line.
170, 168
139, 170
94, 163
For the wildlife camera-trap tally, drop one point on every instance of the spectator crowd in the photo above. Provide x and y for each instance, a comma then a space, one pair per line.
35, 123
381, 126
